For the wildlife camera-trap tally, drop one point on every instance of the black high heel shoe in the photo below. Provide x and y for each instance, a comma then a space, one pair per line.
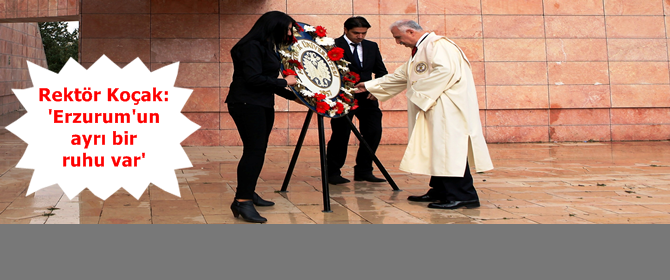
247, 211
258, 201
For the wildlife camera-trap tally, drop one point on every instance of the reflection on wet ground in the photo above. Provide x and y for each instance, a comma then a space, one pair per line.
545, 183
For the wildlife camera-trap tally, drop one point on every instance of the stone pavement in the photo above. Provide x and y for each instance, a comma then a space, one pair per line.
544, 183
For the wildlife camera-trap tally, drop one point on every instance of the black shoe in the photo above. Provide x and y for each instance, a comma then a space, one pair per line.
369, 178
335, 180
258, 201
247, 210
423, 198
454, 204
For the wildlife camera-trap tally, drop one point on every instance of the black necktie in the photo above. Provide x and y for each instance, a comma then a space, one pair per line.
356, 59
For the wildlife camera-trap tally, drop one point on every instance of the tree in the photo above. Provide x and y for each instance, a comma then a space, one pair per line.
59, 44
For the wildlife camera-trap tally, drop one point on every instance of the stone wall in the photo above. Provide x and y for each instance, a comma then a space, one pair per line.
36, 10
546, 70
19, 42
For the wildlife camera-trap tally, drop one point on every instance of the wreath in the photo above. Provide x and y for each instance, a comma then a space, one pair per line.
331, 102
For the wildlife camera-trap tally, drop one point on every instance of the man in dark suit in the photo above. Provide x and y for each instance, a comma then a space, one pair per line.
365, 60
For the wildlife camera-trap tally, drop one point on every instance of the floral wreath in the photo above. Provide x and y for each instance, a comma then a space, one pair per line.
331, 107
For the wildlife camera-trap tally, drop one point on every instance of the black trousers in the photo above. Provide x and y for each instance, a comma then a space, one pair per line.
254, 123
453, 188
370, 118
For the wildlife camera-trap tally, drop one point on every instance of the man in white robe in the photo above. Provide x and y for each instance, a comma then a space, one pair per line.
445, 132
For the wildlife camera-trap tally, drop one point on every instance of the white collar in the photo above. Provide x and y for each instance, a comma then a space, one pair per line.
420, 39
349, 42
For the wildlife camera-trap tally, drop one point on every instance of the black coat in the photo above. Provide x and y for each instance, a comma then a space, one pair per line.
372, 61
256, 68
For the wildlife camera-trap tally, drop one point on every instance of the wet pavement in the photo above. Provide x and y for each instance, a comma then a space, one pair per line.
536, 183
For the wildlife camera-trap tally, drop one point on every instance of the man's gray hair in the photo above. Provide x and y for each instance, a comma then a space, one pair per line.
405, 24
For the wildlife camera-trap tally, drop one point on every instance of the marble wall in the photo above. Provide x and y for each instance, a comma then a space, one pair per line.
19, 42
546, 70
22, 10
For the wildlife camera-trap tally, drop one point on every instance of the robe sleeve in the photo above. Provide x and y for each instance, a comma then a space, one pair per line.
445, 59
389, 85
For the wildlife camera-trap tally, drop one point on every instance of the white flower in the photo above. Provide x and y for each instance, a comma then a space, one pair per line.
347, 90
343, 68
325, 41
309, 28
285, 54
347, 62
307, 93
331, 103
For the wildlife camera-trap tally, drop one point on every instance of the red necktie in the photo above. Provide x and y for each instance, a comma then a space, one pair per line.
413, 51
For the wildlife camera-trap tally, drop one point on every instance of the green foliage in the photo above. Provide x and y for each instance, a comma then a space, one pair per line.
59, 44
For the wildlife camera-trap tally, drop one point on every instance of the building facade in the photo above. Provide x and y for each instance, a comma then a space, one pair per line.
546, 70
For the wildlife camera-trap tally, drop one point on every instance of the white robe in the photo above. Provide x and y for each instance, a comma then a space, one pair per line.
443, 111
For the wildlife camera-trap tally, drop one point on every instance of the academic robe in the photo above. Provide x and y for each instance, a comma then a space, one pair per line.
442, 108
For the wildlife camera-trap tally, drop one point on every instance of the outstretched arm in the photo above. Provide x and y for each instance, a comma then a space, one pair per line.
386, 87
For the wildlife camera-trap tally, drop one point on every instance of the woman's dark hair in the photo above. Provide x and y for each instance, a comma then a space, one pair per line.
354, 22
270, 29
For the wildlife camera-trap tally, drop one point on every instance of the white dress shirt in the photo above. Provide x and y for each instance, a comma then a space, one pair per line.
351, 48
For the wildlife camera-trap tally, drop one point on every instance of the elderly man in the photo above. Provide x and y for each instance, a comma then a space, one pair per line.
445, 131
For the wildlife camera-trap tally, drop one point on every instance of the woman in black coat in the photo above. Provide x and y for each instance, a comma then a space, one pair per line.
251, 102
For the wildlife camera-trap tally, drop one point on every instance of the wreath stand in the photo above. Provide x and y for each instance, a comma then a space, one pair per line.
324, 167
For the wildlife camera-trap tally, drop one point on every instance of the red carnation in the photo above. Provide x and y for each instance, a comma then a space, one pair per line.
336, 54
356, 77
355, 104
296, 63
294, 40
340, 107
352, 77
344, 98
320, 31
322, 107
288, 72
319, 96
299, 28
